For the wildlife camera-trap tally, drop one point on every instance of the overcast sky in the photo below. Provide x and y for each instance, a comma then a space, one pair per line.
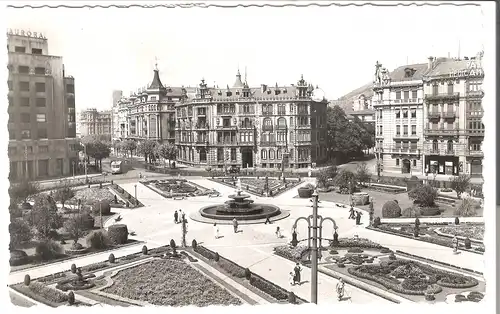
335, 48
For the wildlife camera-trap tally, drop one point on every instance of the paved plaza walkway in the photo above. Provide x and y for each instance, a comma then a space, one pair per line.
253, 246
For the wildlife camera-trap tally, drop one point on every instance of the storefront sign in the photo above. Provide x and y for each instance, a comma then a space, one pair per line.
473, 69
21, 32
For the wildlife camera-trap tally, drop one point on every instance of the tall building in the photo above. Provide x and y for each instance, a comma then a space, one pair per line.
42, 128
398, 105
117, 95
251, 126
93, 122
453, 112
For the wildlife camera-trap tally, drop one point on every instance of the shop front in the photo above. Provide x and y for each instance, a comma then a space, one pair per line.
447, 165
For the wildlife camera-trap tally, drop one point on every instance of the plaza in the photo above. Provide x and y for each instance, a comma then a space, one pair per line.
253, 246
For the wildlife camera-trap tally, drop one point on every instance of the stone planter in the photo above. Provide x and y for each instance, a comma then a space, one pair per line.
305, 192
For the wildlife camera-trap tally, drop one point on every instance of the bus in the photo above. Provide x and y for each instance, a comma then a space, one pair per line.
117, 166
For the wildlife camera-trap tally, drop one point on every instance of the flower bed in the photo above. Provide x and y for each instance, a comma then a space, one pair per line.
131, 201
93, 194
411, 277
256, 186
426, 236
171, 188
472, 232
177, 284
292, 253
47, 293
355, 242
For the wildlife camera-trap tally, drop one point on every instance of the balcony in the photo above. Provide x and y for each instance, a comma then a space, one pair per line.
225, 113
303, 126
407, 101
442, 96
248, 126
449, 115
405, 135
202, 126
202, 142
302, 112
202, 113
475, 153
450, 152
247, 143
441, 132
247, 113
474, 132
434, 115
226, 127
475, 114
405, 150
475, 94
268, 143
267, 128
227, 143
267, 113
303, 143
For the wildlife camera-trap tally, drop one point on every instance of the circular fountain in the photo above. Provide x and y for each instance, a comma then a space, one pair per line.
239, 206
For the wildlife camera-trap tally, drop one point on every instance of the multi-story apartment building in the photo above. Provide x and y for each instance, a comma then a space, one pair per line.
453, 113
42, 128
115, 126
249, 127
398, 105
93, 122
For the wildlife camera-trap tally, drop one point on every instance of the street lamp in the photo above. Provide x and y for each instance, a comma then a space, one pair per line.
312, 241
135, 189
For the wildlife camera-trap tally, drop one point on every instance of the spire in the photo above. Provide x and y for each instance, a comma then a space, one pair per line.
156, 83
238, 83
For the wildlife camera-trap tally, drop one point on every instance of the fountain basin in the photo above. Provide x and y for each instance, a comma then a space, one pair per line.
253, 212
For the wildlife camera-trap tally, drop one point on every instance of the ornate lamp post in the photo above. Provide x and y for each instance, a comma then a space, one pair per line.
312, 241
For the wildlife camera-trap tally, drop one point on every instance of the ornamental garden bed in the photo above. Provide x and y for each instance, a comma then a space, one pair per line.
257, 186
129, 199
169, 282
171, 188
427, 233
46, 295
260, 286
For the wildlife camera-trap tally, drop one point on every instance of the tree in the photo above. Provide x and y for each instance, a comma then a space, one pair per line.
74, 226
326, 175
19, 232
167, 151
363, 175
346, 180
129, 146
460, 184
44, 216
98, 150
147, 148
423, 195
467, 208
64, 193
23, 191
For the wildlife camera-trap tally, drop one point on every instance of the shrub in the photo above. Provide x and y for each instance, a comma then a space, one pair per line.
430, 211
145, 250
111, 258
231, 268
98, 240
48, 293
423, 195
205, 252
27, 280
291, 298
118, 234
18, 257
467, 243
355, 250
392, 257
87, 221
269, 288
71, 298
19, 232
467, 208
73, 268
48, 250
410, 212
216, 257
173, 246
460, 183
391, 209
457, 221
248, 274
104, 208
376, 222
194, 244
385, 251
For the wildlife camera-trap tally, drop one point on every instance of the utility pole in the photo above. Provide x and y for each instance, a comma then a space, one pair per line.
100, 214
85, 162
314, 251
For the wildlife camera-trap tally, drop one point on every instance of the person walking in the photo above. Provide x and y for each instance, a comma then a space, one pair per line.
278, 232
216, 231
176, 217
455, 244
291, 278
183, 216
358, 218
297, 271
235, 225
351, 213
340, 289
267, 220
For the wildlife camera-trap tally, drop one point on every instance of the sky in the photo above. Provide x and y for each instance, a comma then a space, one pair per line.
335, 48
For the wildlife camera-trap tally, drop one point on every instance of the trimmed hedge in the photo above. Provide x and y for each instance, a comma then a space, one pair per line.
18, 257
98, 240
268, 287
48, 293
104, 208
118, 234
391, 209
48, 250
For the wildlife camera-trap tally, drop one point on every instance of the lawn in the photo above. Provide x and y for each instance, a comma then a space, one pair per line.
169, 282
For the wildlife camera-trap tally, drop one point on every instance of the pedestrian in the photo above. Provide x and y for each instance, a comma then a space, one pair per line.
340, 289
235, 225
291, 278
278, 232
183, 216
358, 218
455, 244
216, 231
267, 220
180, 214
297, 271
351, 213
176, 217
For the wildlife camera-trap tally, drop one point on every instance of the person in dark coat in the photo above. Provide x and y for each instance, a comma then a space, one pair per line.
267, 220
235, 225
176, 217
297, 271
358, 218
351, 213
183, 216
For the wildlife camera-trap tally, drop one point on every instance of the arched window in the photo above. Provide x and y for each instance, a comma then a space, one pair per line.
291, 121
271, 154
203, 155
232, 108
247, 123
282, 123
226, 108
435, 146
268, 122
278, 153
263, 154
450, 146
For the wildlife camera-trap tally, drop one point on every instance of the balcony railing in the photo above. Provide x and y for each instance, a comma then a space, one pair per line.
450, 152
268, 143
440, 96
226, 127
247, 113
246, 126
202, 142
303, 126
202, 126
281, 127
475, 93
225, 113
303, 143
408, 101
474, 132
405, 135
227, 142
252, 143
267, 113
434, 115
441, 131
302, 111
475, 153
449, 115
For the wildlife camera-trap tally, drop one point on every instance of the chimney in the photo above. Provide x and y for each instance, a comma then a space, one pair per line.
263, 88
431, 61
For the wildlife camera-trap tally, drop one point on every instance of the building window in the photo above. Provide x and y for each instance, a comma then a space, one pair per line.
43, 168
40, 71
450, 89
406, 94
414, 162
36, 51
203, 155
153, 98
398, 114
43, 149
413, 113
11, 101
40, 87
42, 133
263, 154
449, 146
20, 49
11, 86
398, 95
405, 114
413, 130
398, 130
25, 118
25, 134
22, 69
24, 86
226, 122
414, 94
40, 102
220, 154
435, 145
40, 117
271, 154
233, 154
397, 162
435, 89
281, 109
278, 154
